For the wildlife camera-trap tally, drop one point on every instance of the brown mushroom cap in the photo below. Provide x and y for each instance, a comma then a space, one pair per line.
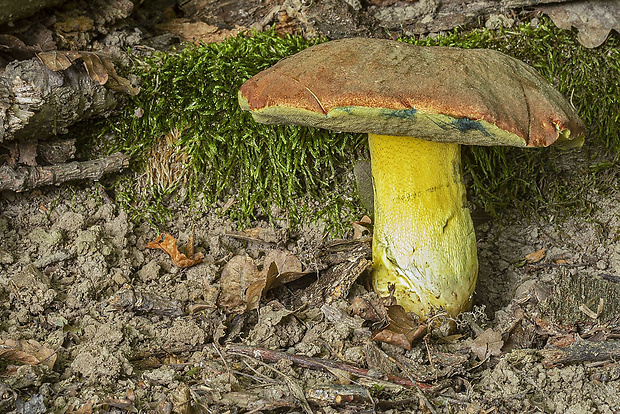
475, 96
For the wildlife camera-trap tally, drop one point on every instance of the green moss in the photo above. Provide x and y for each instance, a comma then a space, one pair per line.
194, 92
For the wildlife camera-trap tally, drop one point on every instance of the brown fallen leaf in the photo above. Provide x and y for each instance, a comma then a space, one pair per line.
489, 343
27, 351
56, 60
86, 408
402, 329
243, 285
98, 65
370, 308
198, 31
536, 256
594, 19
280, 267
361, 227
179, 259
237, 276
95, 68
256, 290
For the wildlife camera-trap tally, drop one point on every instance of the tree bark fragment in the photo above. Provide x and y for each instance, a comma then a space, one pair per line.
581, 351
25, 178
37, 103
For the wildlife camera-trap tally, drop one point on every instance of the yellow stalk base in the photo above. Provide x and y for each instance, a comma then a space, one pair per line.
423, 241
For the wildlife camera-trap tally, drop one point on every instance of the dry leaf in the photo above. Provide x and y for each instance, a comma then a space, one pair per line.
489, 343
179, 259
118, 83
87, 408
237, 276
27, 351
56, 60
361, 227
198, 31
289, 267
98, 65
95, 68
370, 308
536, 256
593, 19
242, 282
402, 329
13, 48
280, 267
256, 290
391, 337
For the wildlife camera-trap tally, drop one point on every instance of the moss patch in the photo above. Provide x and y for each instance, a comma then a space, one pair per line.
192, 96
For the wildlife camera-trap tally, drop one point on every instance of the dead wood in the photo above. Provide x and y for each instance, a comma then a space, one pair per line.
11, 10
581, 351
319, 364
26, 178
37, 103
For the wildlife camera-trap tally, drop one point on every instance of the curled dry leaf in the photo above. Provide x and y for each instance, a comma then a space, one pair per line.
27, 351
198, 31
370, 308
238, 274
361, 227
280, 267
58, 60
179, 259
593, 19
98, 65
402, 329
536, 256
487, 344
243, 285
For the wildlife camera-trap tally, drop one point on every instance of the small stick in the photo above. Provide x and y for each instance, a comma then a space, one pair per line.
26, 178
320, 364
581, 351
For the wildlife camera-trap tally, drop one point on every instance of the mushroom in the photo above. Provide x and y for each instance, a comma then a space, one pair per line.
418, 105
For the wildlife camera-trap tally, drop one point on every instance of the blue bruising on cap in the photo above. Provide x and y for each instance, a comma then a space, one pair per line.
348, 109
400, 113
466, 125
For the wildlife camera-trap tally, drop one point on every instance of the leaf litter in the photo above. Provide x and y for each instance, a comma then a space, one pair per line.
168, 244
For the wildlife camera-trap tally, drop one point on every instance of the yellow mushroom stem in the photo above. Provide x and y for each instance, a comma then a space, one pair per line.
423, 241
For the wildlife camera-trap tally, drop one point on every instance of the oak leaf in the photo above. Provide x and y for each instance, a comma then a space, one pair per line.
179, 259
27, 351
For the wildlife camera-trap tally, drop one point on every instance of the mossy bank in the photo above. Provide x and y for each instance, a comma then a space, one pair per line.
185, 130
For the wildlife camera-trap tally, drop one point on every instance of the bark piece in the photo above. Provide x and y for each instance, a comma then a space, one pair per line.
36, 103
11, 10
27, 178
581, 351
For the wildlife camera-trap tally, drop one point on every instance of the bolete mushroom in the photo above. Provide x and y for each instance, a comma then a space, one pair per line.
418, 105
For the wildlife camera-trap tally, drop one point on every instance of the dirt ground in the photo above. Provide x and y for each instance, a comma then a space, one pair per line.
116, 327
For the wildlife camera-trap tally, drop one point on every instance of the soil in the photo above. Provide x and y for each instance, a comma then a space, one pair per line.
128, 331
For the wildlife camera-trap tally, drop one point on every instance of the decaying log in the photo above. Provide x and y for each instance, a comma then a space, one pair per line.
581, 351
37, 103
26, 178
346, 18
11, 10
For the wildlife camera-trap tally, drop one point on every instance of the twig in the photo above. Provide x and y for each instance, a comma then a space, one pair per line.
217, 348
320, 364
581, 351
26, 178
297, 391
421, 395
